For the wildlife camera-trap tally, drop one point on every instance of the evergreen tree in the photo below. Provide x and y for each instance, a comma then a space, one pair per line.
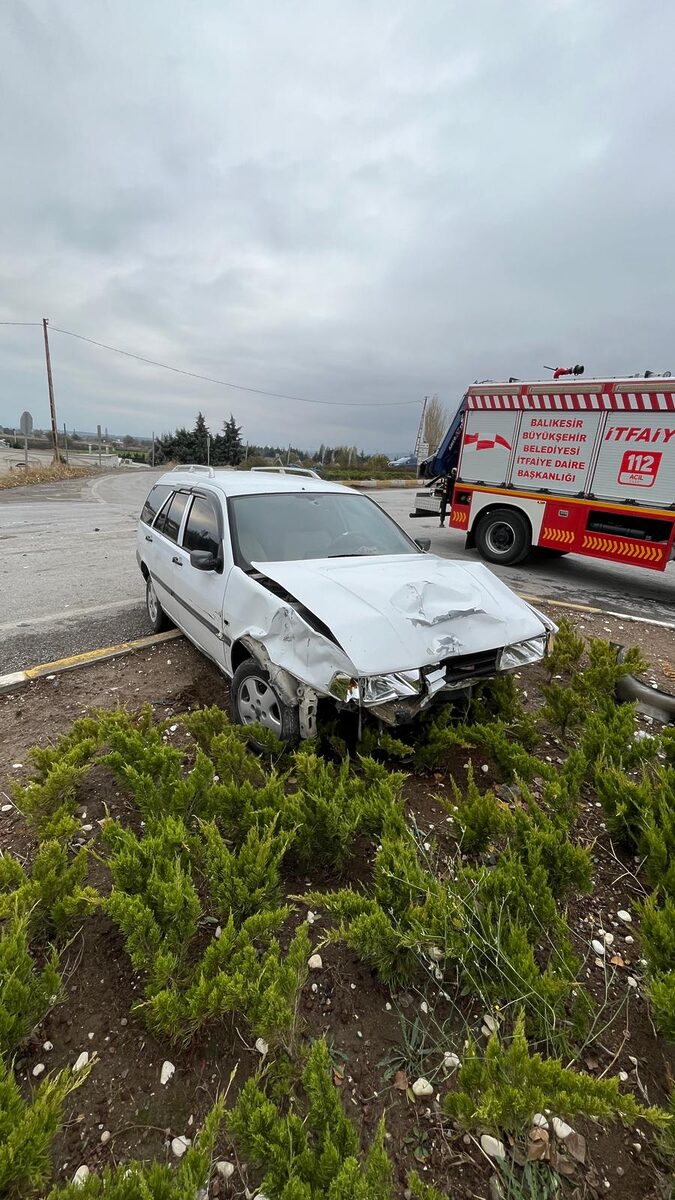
227, 447
198, 441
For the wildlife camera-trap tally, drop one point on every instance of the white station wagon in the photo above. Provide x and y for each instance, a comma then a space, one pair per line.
301, 590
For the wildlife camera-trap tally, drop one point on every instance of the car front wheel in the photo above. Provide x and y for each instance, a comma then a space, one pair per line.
254, 700
158, 618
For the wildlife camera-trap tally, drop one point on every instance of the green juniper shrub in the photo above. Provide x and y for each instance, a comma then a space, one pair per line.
481, 817
494, 739
378, 742
657, 932
246, 880
310, 1152
609, 736
604, 670
53, 895
566, 650
154, 1181
642, 813
164, 886
504, 1087
563, 708
27, 1129
661, 992
27, 991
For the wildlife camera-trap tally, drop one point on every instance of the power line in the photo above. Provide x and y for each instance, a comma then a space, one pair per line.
34, 323
238, 386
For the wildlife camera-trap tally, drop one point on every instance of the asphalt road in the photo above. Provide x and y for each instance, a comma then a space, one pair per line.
69, 580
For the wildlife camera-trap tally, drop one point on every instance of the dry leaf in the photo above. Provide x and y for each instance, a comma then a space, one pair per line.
338, 1076
575, 1145
401, 1081
538, 1145
617, 960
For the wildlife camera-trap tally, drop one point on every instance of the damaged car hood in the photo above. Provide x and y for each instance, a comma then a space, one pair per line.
395, 613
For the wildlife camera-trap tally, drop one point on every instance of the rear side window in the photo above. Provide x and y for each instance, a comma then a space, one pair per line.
201, 528
154, 502
174, 516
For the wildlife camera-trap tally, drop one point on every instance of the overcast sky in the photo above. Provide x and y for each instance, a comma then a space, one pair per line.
351, 201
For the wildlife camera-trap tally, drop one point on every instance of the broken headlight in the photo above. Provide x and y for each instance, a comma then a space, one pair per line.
380, 689
522, 653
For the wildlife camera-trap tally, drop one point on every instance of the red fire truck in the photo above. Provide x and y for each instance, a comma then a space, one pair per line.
572, 467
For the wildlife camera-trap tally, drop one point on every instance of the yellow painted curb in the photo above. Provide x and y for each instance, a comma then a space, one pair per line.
16, 678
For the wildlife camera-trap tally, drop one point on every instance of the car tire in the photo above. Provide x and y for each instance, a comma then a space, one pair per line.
504, 536
157, 616
255, 699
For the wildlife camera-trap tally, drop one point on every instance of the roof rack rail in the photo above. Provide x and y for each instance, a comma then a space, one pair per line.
307, 471
195, 467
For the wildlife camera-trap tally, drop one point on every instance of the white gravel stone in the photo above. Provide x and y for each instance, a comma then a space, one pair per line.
560, 1128
632, 981
225, 1169
7, 807
167, 1071
311, 917
47, 1045
315, 962
624, 916
179, 1145
451, 1061
598, 946
490, 1022
492, 1146
81, 1061
422, 1087
539, 1120
629, 940
81, 1175
38, 1069
105, 1137
623, 1076
261, 1046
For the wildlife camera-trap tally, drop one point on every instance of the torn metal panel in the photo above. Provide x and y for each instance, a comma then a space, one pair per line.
398, 613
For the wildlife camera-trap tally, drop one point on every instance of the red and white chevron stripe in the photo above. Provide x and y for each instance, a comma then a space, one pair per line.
577, 402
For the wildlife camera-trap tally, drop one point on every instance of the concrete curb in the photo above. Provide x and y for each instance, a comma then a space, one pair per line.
602, 612
18, 678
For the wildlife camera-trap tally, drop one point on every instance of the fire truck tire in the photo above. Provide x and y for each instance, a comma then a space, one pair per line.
504, 536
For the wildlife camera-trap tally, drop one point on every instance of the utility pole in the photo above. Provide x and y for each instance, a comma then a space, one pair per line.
208, 449
65, 440
50, 383
153, 447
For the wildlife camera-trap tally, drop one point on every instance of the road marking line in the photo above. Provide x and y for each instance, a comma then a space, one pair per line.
16, 678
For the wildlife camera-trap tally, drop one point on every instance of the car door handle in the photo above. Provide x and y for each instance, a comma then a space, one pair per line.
178, 561
148, 538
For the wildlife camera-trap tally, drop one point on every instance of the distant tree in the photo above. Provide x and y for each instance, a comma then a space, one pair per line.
436, 422
199, 440
378, 462
227, 446
127, 440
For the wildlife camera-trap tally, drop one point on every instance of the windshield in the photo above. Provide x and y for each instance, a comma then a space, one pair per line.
287, 526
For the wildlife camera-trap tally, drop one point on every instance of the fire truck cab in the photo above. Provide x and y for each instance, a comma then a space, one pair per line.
571, 467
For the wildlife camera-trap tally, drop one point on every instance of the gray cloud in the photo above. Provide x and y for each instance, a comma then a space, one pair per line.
353, 202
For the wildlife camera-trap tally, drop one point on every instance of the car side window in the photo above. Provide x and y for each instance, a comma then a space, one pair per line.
154, 502
201, 527
174, 516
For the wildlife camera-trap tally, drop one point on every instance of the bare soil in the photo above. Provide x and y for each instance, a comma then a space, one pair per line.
344, 1000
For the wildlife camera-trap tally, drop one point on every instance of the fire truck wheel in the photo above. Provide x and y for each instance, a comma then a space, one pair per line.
504, 536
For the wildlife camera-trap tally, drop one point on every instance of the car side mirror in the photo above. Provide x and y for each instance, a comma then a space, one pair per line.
203, 560
423, 543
